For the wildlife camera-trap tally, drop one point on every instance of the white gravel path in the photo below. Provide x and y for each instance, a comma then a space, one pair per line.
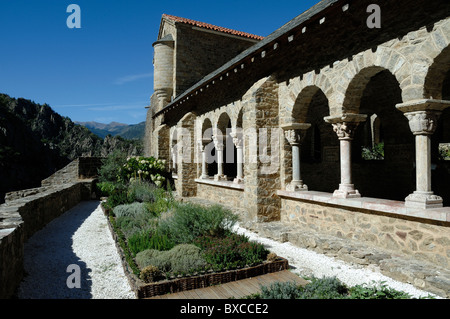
310, 263
79, 237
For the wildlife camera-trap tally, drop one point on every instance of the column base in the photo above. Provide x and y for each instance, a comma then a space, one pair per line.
204, 177
423, 200
220, 178
296, 186
346, 191
238, 180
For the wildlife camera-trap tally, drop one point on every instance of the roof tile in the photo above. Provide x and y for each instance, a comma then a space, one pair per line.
212, 27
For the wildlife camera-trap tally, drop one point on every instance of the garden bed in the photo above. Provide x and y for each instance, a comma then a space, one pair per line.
148, 290
169, 246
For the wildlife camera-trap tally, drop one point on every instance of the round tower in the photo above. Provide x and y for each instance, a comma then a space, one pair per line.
163, 70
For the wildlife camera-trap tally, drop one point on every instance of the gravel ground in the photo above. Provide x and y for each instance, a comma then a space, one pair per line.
309, 263
79, 237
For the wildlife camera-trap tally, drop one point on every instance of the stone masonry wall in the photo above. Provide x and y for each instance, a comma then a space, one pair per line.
26, 212
422, 240
228, 196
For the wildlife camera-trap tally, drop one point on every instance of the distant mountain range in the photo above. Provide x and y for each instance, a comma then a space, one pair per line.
129, 132
35, 141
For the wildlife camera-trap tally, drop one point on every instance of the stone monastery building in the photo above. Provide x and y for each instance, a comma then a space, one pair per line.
328, 124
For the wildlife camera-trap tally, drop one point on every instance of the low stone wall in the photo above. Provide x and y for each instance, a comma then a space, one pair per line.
422, 238
221, 192
27, 211
22, 217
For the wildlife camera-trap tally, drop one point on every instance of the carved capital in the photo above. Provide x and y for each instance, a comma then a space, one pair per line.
345, 130
237, 139
218, 142
423, 122
294, 137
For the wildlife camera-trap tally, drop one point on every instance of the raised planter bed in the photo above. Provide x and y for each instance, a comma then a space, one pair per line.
148, 290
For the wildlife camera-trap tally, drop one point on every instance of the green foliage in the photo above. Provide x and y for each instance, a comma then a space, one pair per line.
133, 224
230, 251
180, 259
130, 210
117, 197
123, 244
150, 274
106, 188
444, 152
324, 288
189, 221
327, 288
160, 242
377, 292
375, 153
143, 168
280, 290
142, 191
111, 165
139, 241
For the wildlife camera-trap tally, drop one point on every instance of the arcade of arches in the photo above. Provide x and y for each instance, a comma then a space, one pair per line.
358, 148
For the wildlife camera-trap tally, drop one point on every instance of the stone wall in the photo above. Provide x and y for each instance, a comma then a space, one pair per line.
427, 240
26, 212
221, 192
199, 52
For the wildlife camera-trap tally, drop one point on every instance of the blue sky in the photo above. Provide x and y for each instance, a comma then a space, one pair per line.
103, 71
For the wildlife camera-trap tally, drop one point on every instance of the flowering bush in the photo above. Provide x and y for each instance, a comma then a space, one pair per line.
143, 168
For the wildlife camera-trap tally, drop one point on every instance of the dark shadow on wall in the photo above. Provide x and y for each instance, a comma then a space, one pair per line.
49, 253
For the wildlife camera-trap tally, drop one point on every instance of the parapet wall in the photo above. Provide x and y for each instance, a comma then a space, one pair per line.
26, 212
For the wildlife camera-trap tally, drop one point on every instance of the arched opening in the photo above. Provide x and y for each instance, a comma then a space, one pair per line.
438, 83
208, 148
383, 147
229, 150
319, 157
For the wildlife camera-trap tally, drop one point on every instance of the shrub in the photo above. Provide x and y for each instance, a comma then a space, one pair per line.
139, 241
143, 168
180, 259
106, 188
142, 191
376, 292
111, 165
230, 251
117, 197
132, 224
280, 290
190, 221
160, 241
130, 210
324, 288
151, 274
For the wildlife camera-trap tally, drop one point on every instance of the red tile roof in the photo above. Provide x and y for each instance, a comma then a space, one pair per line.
212, 27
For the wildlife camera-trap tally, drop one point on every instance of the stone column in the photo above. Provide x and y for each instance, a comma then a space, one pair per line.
295, 133
202, 143
344, 126
174, 158
218, 144
423, 117
239, 143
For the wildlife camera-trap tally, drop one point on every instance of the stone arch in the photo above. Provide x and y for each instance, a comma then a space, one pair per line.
206, 128
301, 106
300, 92
437, 75
224, 127
375, 92
363, 66
356, 87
